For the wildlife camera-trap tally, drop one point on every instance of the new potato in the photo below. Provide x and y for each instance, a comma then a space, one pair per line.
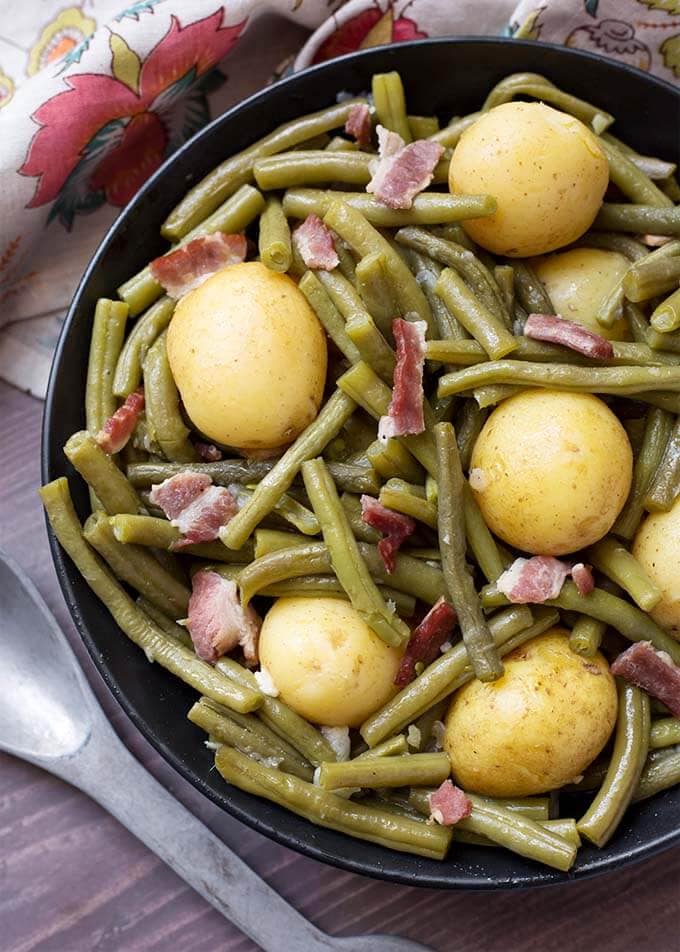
538, 726
551, 471
545, 169
657, 548
578, 281
328, 665
248, 356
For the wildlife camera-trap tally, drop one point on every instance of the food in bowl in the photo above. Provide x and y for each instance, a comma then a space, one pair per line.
376, 500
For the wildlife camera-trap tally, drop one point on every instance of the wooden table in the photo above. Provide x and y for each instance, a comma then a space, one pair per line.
73, 880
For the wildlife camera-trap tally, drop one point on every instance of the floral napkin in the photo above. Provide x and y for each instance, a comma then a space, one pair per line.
94, 96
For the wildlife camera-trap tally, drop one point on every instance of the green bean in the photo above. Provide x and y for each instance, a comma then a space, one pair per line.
313, 586
612, 307
661, 771
489, 396
163, 415
328, 314
619, 381
165, 623
273, 540
618, 564
479, 539
340, 144
481, 323
667, 342
425, 723
352, 506
664, 486
176, 658
274, 242
671, 188
400, 497
654, 168
346, 559
311, 441
468, 425
612, 241
159, 533
477, 637
625, 767
531, 293
504, 276
204, 197
108, 331
565, 828
329, 810
137, 566
538, 87
427, 273
450, 671
128, 374
656, 436
248, 734
666, 316
234, 215
665, 732
353, 227
399, 771
639, 327
375, 289
627, 619
373, 395
643, 281
101, 474
534, 808
466, 353
450, 135
288, 169
428, 208
634, 184
391, 460
390, 104
638, 219
289, 509
586, 636
422, 127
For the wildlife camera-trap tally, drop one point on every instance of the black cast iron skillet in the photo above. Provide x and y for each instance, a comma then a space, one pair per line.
444, 76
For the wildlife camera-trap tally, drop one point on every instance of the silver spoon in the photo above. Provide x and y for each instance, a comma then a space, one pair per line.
50, 717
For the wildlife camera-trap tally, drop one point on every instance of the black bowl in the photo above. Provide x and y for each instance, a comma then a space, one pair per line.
446, 77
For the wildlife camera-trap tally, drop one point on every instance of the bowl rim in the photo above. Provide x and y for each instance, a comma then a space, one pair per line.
65, 569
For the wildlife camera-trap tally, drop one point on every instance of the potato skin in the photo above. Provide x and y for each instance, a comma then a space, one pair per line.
551, 471
328, 665
535, 728
249, 357
657, 548
579, 280
545, 169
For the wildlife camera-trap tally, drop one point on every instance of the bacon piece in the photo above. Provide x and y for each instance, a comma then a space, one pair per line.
217, 621
402, 171
653, 671
583, 578
314, 241
406, 411
190, 265
556, 330
426, 640
359, 123
533, 581
179, 491
203, 518
119, 427
449, 805
394, 526
208, 451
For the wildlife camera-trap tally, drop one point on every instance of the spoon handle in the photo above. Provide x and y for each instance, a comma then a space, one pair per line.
107, 771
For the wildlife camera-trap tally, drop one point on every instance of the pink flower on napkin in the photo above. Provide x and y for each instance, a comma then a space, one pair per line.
371, 27
100, 139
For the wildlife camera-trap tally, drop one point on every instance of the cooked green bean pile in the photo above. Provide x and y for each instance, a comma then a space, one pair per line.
405, 584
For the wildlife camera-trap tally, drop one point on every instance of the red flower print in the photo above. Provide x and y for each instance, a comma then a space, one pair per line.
369, 28
100, 139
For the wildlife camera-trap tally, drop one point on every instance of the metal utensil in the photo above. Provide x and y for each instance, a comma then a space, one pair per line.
50, 717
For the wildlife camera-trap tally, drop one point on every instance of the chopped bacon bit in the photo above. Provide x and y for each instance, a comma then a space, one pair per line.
556, 330
583, 578
533, 581
406, 410
426, 640
402, 171
449, 805
393, 525
190, 265
359, 123
653, 671
202, 519
179, 491
119, 427
208, 452
217, 621
314, 241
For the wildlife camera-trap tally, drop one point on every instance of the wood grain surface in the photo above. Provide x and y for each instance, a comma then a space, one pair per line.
73, 880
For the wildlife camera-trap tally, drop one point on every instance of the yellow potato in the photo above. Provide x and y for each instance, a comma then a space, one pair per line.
545, 169
657, 549
551, 471
249, 357
579, 280
535, 728
328, 665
